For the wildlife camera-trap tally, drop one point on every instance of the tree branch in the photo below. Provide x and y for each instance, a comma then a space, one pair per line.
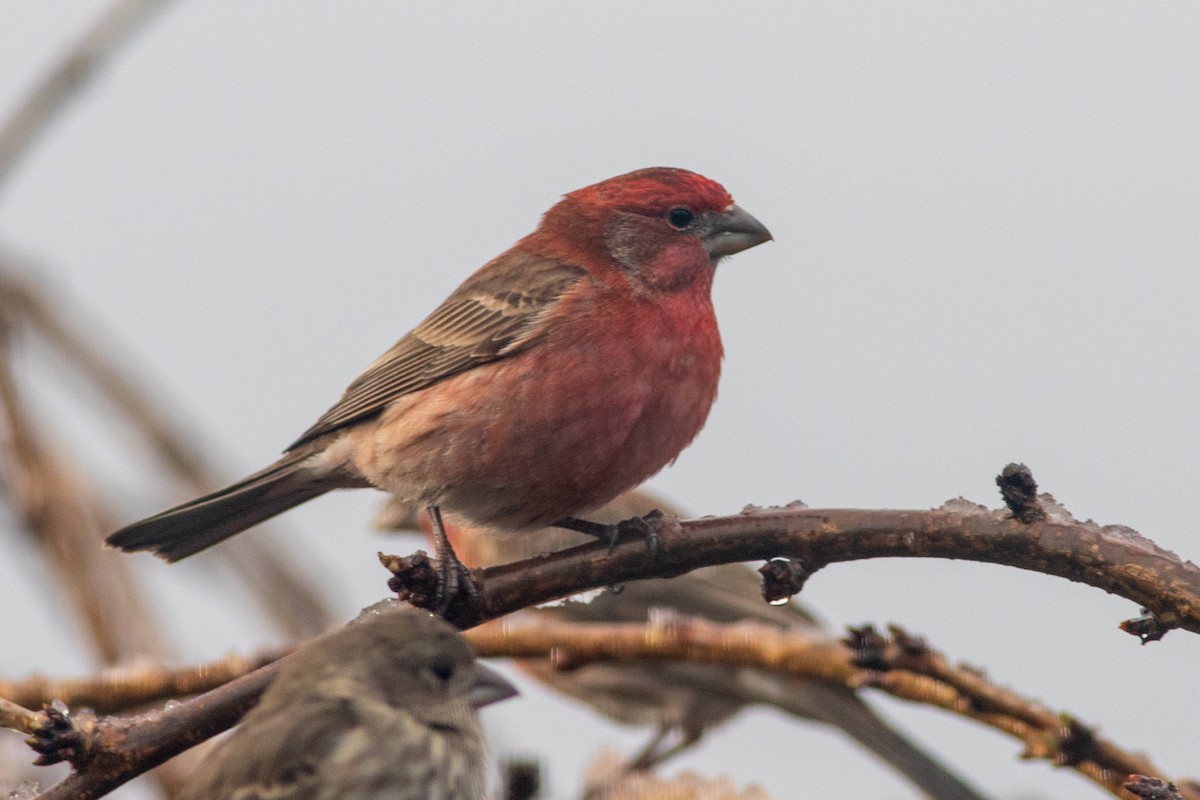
1113, 558
903, 666
109, 751
122, 688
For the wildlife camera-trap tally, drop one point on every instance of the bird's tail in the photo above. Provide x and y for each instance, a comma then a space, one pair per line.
846, 711
189, 528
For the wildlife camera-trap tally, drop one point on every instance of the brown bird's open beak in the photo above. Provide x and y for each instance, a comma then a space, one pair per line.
489, 687
731, 231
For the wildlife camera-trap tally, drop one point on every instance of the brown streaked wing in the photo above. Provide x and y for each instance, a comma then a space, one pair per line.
492, 315
287, 758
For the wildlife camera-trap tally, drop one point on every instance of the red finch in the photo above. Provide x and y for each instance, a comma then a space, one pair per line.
683, 700
383, 708
566, 370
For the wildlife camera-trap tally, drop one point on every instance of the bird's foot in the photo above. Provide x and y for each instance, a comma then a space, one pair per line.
660, 748
634, 526
454, 580
640, 526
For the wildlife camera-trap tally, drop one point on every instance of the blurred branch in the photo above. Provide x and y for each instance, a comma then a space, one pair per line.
65, 521
126, 687
80, 339
570, 645
287, 594
72, 72
15, 717
903, 666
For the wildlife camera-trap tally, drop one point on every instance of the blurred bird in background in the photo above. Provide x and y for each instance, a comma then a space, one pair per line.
564, 372
681, 700
382, 708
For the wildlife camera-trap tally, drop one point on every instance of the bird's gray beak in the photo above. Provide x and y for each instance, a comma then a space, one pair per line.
731, 231
489, 687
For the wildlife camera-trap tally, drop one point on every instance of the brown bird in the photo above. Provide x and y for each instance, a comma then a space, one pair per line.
383, 709
563, 372
684, 700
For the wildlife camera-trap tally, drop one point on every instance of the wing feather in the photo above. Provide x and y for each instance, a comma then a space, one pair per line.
485, 319
285, 762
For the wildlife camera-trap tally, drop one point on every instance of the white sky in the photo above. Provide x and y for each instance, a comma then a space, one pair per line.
987, 250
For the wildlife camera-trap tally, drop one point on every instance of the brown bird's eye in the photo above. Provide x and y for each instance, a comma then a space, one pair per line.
680, 218
442, 666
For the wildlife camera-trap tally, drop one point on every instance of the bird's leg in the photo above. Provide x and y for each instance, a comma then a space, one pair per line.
648, 756
605, 533
613, 533
654, 753
453, 575
646, 760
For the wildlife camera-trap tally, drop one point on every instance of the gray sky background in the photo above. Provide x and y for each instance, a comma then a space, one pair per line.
986, 251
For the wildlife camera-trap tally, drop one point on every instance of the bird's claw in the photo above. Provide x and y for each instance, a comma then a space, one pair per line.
638, 526
612, 534
454, 580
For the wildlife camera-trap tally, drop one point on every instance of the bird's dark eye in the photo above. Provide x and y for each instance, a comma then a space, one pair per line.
442, 666
680, 217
